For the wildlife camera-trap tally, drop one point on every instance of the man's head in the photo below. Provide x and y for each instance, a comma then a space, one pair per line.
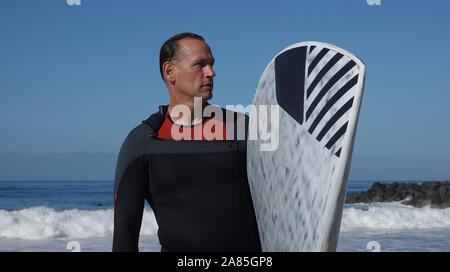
185, 63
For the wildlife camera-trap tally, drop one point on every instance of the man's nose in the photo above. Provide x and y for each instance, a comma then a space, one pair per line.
209, 72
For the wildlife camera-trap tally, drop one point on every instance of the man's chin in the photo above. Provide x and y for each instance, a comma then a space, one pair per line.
207, 96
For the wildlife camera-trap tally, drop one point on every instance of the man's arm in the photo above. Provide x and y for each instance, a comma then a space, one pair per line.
129, 207
130, 191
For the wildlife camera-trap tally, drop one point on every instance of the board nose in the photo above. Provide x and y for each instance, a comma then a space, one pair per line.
290, 82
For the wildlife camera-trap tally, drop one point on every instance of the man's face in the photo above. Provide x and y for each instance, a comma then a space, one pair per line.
193, 72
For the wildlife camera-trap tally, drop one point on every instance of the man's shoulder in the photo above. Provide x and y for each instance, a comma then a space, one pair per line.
136, 139
146, 130
155, 120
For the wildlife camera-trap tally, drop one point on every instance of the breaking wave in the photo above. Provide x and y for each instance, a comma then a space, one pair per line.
46, 223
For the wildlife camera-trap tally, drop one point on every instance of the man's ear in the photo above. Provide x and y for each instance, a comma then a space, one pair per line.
169, 72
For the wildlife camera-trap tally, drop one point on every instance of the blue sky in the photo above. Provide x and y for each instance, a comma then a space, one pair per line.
75, 79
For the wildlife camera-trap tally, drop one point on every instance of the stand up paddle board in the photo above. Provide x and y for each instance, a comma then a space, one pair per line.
298, 188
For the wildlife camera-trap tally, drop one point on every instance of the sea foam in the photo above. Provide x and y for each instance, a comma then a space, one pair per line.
46, 223
393, 216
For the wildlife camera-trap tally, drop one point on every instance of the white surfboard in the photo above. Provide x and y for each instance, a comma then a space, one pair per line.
298, 189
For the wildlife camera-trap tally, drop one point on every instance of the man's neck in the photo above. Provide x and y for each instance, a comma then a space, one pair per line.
191, 112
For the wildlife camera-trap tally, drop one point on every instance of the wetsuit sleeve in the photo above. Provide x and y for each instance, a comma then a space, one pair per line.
130, 193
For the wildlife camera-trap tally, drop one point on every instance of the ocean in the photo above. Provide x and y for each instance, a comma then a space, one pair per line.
60, 216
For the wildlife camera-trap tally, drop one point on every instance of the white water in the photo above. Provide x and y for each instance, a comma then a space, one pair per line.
393, 216
46, 223
394, 226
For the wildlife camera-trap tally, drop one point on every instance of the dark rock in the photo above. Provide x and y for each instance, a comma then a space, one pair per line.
433, 193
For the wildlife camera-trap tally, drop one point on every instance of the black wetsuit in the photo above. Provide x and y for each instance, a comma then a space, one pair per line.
198, 191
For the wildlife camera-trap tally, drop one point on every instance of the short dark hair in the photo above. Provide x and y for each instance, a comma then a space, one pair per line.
170, 48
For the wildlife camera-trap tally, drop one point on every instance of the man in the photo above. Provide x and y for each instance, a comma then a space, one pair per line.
197, 186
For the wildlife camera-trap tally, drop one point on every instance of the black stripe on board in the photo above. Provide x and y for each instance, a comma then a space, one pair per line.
311, 48
290, 81
334, 119
336, 136
327, 86
352, 82
323, 72
338, 153
316, 60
